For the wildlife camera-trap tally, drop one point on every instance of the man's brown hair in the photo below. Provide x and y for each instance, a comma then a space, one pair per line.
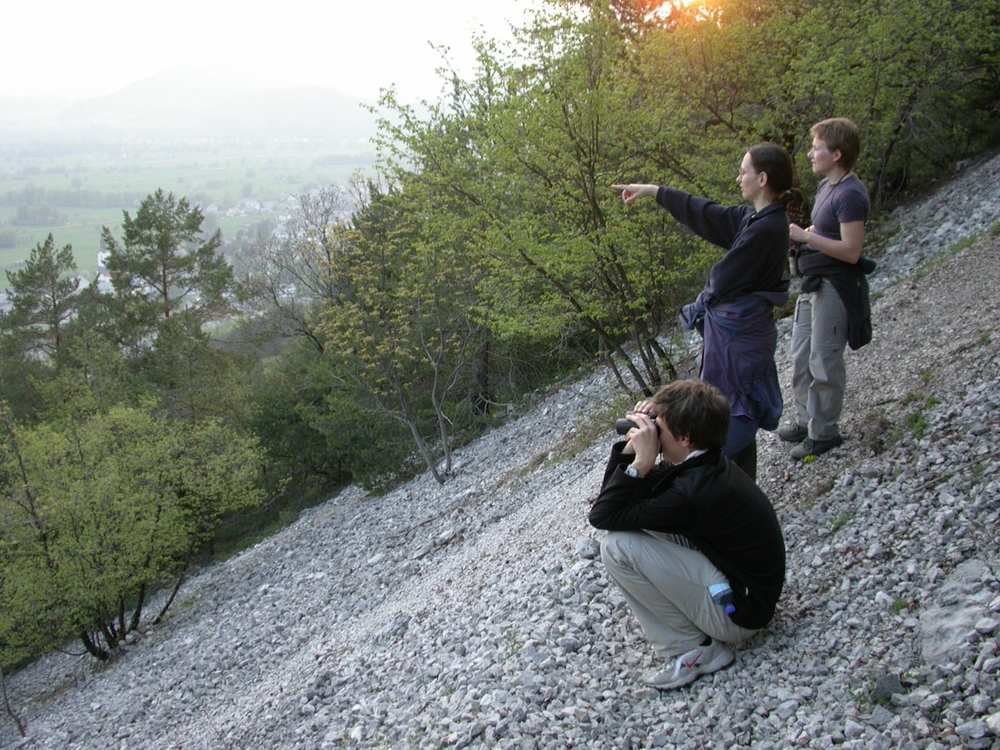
839, 134
695, 410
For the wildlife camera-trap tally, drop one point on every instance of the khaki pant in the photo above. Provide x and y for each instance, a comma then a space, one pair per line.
819, 375
666, 585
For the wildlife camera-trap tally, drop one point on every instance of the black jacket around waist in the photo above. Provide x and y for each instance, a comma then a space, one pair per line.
718, 508
851, 284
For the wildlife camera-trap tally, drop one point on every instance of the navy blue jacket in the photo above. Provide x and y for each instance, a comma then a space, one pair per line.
756, 244
735, 310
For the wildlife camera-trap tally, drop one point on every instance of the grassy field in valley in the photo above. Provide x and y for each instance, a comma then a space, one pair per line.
88, 186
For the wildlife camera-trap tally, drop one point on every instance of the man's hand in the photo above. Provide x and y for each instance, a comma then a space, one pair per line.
643, 440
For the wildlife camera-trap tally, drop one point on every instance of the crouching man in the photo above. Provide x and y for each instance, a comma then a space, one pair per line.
683, 524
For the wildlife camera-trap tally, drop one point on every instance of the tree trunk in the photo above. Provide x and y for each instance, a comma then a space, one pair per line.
137, 612
21, 729
93, 648
177, 587
425, 452
482, 398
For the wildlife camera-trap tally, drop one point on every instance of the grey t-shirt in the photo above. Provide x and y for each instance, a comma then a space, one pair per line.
844, 202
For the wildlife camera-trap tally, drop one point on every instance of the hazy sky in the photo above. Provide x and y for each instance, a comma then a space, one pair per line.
81, 48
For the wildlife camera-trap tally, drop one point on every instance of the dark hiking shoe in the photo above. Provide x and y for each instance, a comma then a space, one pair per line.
810, 447
794, 433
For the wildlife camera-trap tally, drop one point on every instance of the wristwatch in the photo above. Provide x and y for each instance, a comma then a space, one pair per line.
633, 472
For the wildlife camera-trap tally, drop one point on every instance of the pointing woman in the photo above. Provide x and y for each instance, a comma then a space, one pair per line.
735, 310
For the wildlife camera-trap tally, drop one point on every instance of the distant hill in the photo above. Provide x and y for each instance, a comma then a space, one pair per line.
194, 104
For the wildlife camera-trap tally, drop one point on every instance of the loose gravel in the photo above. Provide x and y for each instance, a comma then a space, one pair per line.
478, 614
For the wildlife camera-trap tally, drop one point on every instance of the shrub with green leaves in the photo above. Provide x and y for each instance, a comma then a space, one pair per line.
97, 513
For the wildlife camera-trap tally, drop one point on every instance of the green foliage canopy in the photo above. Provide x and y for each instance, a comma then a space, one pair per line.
97, 513
401, 331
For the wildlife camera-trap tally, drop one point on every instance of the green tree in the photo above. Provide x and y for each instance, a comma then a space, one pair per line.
522, 158
918, 77
164, 268
401, 331
290, 277
97, 513
170, 285
95, 372
42, 296
318, 431
5, 650
309, 419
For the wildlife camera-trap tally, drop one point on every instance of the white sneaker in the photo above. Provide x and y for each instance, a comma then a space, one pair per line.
690, 666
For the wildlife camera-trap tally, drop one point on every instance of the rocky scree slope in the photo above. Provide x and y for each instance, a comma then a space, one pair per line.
478, 614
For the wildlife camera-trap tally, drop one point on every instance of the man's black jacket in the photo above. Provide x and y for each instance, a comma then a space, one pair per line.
718, 508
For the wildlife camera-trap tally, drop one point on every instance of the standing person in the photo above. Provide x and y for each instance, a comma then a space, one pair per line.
735, 310
690, 522
833, 308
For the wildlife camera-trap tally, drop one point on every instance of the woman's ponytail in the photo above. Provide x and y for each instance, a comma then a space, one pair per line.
796, 206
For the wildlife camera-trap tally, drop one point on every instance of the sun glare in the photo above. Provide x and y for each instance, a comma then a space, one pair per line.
669, 8
674, 12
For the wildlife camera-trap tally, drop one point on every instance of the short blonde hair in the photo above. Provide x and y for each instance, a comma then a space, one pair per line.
839, 134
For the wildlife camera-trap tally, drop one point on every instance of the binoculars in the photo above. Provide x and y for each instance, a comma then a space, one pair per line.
622, 426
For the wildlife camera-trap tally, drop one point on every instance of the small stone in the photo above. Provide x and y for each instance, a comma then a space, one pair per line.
993, 723
981, 703
853, 729
446, 536
973, 729
875, 551
588, 548
887, 686
787, 709
569, 643
987, 626
930, 704
881, 716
